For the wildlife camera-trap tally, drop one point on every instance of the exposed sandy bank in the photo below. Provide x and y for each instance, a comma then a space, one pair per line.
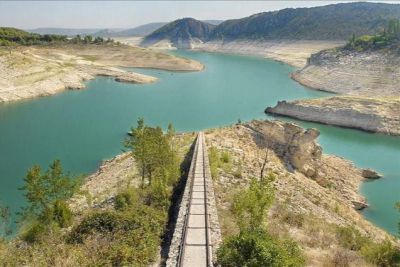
369, 114
294, 53
309, 209
27, 72
370, 73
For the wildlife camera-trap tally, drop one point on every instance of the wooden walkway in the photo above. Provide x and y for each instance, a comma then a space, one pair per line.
195, 248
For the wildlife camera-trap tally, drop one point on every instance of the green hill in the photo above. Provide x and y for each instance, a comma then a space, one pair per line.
13, 36
179, 32
330, 22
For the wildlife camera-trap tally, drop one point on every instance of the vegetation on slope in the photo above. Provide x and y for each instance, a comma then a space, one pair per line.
254, 245
12, 36
127, 231
389, 36
330, 22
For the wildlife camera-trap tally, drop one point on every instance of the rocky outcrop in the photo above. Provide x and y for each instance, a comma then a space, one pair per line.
369, 114
368, 73
370, 174
296, 146
331, 195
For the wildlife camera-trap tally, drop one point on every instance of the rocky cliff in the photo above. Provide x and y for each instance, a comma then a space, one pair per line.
309, 205
369, 114
369, 73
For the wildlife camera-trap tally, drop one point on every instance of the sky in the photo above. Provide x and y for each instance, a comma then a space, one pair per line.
127, 14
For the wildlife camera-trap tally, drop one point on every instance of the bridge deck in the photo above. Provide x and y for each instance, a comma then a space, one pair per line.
196, 247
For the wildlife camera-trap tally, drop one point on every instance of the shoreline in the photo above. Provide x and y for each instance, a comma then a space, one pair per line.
367, 114
30, 72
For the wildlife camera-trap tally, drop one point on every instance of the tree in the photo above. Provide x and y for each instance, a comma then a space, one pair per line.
153, 152
46, 194
251, 205
88, 39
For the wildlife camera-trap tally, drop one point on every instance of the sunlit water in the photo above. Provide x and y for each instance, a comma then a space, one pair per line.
82, 128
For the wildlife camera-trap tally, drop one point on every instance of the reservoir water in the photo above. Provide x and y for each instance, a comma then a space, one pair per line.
82, 128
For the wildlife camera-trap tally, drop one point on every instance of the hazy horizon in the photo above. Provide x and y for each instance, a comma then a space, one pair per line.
128, 14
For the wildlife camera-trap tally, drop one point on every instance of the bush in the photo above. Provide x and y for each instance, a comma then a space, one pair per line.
126, 199
349, 237
131, 235
62, 214
258, 248
250, 206
34, 233
384, 254
225, 157
214, 162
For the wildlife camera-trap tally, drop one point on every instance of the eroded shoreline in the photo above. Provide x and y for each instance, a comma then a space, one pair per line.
29, 72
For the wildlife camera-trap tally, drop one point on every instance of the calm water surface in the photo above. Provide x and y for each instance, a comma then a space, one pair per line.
84, 127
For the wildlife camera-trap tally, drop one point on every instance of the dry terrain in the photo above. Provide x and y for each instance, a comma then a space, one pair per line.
380, 115
315, 193
27, 72
294, 52
368, 73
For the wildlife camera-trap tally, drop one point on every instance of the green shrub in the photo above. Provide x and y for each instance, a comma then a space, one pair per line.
132, 235
214, 162
62, 214
258, 248
383, 254
225, 157
349, 237
250, 206
126, 199
34, 233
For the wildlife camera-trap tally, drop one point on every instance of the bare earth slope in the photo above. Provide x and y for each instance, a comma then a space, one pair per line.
292, 52
315, 192
27, 72
368, 73
369, 114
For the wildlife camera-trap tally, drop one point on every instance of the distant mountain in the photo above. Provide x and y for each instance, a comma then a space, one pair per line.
331, 22
142, 30
181, 32
64, 31
213, 21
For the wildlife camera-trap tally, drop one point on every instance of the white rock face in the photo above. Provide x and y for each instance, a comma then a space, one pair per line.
368, 114
373, 73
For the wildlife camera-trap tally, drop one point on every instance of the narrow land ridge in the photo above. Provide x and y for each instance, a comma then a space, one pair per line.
197, 232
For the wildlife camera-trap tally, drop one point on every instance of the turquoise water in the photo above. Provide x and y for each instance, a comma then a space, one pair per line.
82, 128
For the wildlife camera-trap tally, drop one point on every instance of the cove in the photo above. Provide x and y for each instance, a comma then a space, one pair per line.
82, 128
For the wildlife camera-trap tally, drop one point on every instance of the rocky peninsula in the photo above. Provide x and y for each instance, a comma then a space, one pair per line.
28, 72
316, 193
343, 71
380, 115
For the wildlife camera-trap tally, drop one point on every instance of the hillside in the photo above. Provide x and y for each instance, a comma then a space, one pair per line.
12, 36
181, 33
331, 22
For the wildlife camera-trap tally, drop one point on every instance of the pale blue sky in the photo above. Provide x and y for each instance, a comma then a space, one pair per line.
125, 14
